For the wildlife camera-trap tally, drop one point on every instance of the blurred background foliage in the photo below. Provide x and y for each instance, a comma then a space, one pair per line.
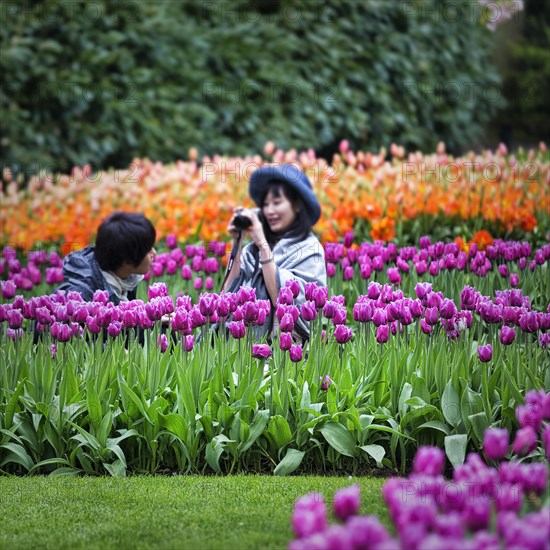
103, 82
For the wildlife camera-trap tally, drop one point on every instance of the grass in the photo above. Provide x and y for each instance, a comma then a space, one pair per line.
162, 512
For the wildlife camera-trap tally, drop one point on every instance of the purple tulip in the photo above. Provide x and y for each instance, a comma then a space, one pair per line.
129, 318
365, 270
348, 239
367, 532
294, 286
525, 441
246, 294
186, 272
61, 332
162, 342
157, 290
485, 353
373, 290
503, 271
362, 312
285, 296
296, 353
211, 265
8, 289
308, 310
196, 318
114, 328
382, 334
535, 477
53, 350
14, 318
197, 283
495, 443
425, 241
285, 341
447, 309
171, 241
44, 316
287, 323
347, 502
469, 298
529, 414
329, 310
309, 515
379, 317
309, 290
429, 461
261, 351
237, 329
343, 334
197, 264
208, 304
14, 333
544, 340
348, 273
426, 327
507, 335
340, 316
326, 383
92, 324
171, 267
393, 275
189, 342
431, 314
508, 498
477, 513
101, 296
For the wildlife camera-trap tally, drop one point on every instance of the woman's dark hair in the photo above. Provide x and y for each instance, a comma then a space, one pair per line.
301, 226
123, 237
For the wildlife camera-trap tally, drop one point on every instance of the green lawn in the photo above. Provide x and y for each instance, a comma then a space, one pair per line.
161, 512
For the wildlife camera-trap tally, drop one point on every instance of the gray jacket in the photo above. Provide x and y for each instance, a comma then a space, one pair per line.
83, 274
303, 260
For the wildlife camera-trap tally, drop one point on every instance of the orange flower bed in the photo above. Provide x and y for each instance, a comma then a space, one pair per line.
195, 200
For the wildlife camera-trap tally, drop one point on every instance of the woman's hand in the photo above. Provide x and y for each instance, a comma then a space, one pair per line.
256, 231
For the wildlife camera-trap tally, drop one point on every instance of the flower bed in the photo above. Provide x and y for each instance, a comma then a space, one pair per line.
419, 345
384, 196
503, 504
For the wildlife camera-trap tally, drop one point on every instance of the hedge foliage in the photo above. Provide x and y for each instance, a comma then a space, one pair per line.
106, 81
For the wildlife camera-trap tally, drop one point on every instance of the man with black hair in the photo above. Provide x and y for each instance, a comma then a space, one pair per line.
122, 255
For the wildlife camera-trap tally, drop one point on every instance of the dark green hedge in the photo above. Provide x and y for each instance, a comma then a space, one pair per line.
106, 81
526, 85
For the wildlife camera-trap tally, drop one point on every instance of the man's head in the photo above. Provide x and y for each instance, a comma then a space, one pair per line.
125, 240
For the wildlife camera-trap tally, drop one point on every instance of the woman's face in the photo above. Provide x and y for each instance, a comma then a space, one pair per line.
146, 263
278, 212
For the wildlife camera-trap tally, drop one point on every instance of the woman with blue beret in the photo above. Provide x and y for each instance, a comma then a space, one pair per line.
283, 247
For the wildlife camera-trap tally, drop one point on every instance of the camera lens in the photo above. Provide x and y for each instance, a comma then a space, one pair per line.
242, 222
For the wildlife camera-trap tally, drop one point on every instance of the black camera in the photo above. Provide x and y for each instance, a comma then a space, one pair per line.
242, 222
